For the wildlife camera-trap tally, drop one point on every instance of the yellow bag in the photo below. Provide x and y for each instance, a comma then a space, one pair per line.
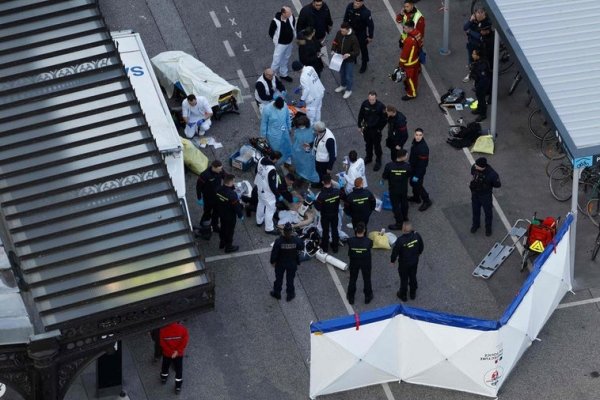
380, 240
193, 158
484, 144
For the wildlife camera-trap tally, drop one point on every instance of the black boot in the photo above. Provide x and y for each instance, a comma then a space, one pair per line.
363, 68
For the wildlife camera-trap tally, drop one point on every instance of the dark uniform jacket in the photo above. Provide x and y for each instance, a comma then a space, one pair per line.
359, 251
481, 73
343, 44
207, 184
360, 20
397, 131
285, 251
318, 19
359, 204
372, 116
419, 158
483, 182
407, 249
328, 201
308, 52
228, 203
397, 174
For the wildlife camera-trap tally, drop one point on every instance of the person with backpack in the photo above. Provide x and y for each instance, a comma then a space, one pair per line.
409, 60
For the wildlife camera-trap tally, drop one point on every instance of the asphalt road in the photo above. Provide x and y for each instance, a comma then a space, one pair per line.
254, 347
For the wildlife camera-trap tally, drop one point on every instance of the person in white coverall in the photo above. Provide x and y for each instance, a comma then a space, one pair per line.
312, 90
267, 183
196, 113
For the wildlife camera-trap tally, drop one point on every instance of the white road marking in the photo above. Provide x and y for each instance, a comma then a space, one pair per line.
227, 9
243, 79
256, 110
216, 21
228, 48
466, 151
579, 303
340, 289
236, 255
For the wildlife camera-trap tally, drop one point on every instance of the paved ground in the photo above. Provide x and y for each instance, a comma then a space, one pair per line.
253, 347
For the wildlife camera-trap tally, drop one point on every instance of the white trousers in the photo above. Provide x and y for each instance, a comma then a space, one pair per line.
191, 129
281, 58
265, 210
313, 110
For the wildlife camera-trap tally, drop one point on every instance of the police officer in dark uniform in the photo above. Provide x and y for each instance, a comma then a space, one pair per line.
285, 259
228, 207
359, 18
419, 159
371, 120
359, 204
407, 249
397, 173
397, 130
484, 179
359, 253
328, 204
206, 191
482, 76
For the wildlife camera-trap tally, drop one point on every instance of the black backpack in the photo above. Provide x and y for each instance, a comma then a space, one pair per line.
452, 96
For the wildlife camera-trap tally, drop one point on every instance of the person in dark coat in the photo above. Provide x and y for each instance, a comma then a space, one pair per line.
484, 180
359, 204
328, 204
397, 173
317, 16
359, 18
397, 131
228, 207
371, 121
206, 191
419, 159
481, 74
173, 341
407, 249
359, 254
285, 258
309, 50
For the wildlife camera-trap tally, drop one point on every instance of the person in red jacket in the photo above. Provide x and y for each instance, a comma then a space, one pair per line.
409, 60
173, 341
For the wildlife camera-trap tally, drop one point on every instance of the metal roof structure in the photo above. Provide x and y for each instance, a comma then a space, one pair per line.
89, 215
558, 47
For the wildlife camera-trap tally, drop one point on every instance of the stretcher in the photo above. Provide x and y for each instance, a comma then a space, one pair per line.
501, 250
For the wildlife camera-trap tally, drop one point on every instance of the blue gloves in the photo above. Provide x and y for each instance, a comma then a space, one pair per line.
298, 90
341, 182
200, 202
280, 198
415, 179
381, 182
310, 197
300, 103
295, 199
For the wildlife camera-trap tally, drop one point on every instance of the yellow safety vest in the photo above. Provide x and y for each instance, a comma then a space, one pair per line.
415, 19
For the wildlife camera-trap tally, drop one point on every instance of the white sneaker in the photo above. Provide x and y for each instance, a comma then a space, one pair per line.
349, 226
340, 89
201, 132
196, 141
467, 78
347, 94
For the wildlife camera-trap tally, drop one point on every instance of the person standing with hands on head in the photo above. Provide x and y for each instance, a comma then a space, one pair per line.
267, 183
346, 44
359, 204
196, 113
267, 88
312, 90
409, 60
372, 118
228, 207
397, 131
283, 32
207, 184
397, 173
411, 13
359, 254
325, 148
407, 249
359, 18
285, 259
328, 204
484, 180
419, 159
173, 341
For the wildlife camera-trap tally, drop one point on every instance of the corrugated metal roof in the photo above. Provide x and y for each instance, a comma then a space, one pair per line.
558, 45
85, 196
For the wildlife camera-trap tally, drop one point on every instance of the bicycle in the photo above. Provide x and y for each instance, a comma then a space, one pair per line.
551, 146
538, 126
515, 82
596, 246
